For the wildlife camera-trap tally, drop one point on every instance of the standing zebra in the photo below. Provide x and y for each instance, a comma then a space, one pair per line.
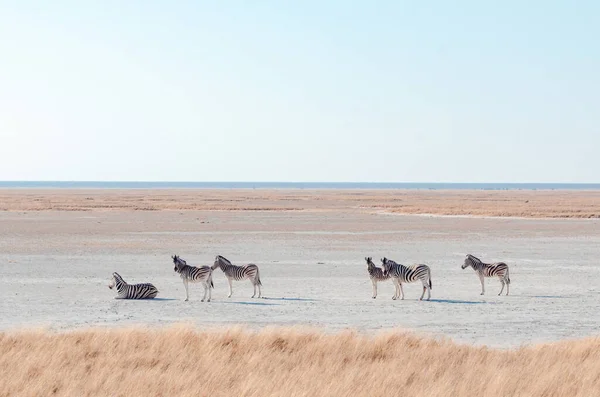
194, 274
233, 272
499, 269
132, 291
375, 274
407, 274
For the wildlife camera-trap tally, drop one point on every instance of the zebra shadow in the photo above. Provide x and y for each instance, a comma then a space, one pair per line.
459, 302
251, 303
292, 299
145, 300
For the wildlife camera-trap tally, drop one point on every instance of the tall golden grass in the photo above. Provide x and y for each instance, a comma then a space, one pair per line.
285, 362
525, 203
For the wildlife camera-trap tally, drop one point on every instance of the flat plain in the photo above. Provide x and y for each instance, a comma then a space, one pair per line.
310, 247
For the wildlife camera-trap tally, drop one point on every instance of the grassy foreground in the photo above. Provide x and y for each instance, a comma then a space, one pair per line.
285, 362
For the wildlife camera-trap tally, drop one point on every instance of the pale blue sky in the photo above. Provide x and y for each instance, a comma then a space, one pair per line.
396, 91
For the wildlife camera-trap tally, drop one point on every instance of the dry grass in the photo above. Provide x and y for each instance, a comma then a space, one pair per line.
521, 203
285, 362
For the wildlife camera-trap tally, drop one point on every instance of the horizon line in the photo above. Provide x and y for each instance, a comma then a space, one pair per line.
290, 182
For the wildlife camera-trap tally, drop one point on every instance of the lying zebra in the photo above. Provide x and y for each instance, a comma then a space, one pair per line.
375, 274
132, 291
498, 269
194, 274
407, 274
233, 272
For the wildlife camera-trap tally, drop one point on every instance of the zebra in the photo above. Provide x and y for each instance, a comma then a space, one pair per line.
499, 269
407, 274
132, 291
194, 274
232, 272
375, 274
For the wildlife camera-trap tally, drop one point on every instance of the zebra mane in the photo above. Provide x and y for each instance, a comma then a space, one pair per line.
224, 259
179, 260
473, 258
386, 260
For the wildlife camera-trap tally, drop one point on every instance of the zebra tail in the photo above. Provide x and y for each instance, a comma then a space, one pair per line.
212, 285
258, 278
430, 284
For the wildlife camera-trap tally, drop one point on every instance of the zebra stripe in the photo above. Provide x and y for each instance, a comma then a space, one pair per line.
132, 291
192, 274
237, 273
498, 269
375, 274
407, 274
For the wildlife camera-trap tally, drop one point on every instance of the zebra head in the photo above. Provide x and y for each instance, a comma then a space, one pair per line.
470, 260
220, 260
386, 263
179, 263
113, 281
369, 261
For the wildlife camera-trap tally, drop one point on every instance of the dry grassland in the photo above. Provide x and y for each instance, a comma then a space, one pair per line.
520, 203
285, 362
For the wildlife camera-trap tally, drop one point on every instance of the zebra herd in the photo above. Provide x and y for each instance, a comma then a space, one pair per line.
408, 274
191, 274
398, 273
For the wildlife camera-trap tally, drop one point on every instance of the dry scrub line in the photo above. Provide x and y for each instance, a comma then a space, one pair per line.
542, 203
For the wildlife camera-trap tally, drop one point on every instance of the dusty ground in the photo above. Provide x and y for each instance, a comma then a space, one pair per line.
517, 203
56, 265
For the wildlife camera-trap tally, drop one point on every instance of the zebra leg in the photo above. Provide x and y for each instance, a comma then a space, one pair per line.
230, 287
206, 287
253, 285
374, 289
425, 288
209, 284
396, 292
401, 290
428, 284
482, 284
502, 282
187, 293
259, 291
